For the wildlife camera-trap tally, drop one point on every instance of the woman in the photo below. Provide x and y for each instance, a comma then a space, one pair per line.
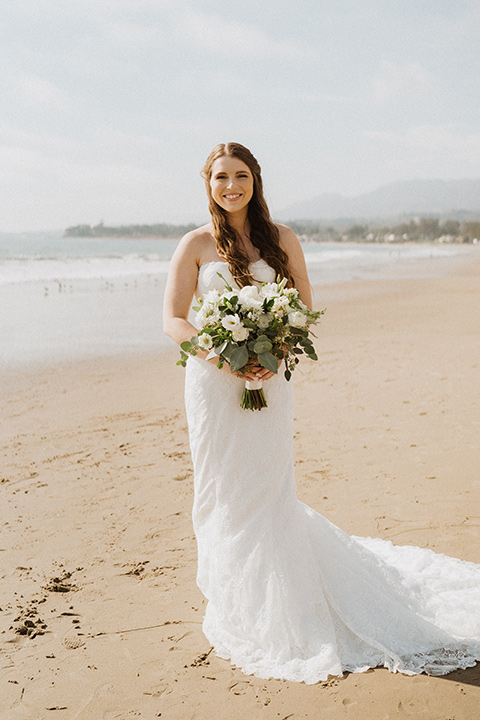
289, 594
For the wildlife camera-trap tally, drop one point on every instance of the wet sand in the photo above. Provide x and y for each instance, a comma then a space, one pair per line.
100, 613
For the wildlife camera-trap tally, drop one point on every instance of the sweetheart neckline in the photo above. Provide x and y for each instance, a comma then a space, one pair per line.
224, 262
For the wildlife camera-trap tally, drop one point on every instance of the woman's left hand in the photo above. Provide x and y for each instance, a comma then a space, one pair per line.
255, 371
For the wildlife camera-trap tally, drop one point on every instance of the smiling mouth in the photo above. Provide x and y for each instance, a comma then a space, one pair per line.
232, 196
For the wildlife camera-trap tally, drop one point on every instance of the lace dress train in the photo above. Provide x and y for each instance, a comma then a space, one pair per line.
290, 595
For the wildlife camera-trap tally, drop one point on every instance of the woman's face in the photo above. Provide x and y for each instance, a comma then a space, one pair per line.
231, 183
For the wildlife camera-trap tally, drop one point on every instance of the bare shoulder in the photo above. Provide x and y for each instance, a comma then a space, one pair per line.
288, 240
195, 245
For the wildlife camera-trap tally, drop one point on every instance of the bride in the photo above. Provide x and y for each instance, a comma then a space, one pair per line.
290, 595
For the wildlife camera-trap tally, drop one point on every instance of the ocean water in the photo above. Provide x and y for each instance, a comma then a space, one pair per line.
63, 299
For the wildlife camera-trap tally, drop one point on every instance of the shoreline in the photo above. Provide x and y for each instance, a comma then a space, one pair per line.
97, 494
57, 322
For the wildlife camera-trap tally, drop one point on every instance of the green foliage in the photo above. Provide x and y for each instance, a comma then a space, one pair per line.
238, 358
261, 345
422, 229
269, 361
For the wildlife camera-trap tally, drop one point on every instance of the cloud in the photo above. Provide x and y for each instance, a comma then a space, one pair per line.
396, 81
33, 91
132, 34
446, 144
213, 33
108, 6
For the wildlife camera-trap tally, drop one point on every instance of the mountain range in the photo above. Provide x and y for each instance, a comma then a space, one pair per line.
404, 198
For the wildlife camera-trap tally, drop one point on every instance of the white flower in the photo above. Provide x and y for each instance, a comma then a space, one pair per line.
240, 334
211, 298
269, 290
249, 292
231, 322
200, 319
279, 305
205, 341
249, 299
297, 319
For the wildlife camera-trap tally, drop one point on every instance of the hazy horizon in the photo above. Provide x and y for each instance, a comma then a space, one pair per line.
110, 107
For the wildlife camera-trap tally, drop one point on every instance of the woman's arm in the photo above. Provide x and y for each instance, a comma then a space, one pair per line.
181, 286
296, 263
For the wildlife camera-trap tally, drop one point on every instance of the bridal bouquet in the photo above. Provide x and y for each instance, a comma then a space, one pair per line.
264, 325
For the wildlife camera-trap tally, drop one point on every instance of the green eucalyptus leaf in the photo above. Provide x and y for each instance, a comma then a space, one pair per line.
269, 361
238, 358
262, 345
227, 350
220, 349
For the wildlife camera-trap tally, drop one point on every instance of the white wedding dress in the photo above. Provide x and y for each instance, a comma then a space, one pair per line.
290, 595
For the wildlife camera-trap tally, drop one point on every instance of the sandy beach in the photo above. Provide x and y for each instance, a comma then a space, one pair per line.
100, 613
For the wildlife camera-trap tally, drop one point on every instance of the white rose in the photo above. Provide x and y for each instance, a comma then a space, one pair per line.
248, 293
231, 322
205, 341
269, 290
240, 334
297, 319
250, 300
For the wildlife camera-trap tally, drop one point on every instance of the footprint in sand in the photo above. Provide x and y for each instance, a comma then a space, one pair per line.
240, 688
72, 640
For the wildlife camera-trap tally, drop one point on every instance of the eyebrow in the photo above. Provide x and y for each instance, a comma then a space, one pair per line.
238, 172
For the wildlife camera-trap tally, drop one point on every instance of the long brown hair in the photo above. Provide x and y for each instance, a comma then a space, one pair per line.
264, 234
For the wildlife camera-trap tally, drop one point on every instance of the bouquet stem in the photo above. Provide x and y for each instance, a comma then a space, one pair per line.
253, 397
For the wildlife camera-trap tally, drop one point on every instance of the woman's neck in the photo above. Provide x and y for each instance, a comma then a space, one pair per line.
239, 222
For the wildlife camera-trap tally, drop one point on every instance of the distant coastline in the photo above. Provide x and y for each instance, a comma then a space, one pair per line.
158, 231
420, 229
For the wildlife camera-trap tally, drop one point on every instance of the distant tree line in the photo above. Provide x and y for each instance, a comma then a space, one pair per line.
159, 230
424, 229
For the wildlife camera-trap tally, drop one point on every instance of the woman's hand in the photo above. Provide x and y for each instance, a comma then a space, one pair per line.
254, 371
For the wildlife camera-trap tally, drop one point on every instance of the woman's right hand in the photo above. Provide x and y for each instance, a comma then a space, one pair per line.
253, 371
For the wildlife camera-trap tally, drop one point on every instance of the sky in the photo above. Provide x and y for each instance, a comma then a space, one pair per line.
110, 107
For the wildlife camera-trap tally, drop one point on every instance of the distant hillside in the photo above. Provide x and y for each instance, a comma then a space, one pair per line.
439, 197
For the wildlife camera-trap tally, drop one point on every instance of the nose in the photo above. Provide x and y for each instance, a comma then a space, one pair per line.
231, 182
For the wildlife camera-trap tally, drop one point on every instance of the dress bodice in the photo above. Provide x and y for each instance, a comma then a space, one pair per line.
208, 278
